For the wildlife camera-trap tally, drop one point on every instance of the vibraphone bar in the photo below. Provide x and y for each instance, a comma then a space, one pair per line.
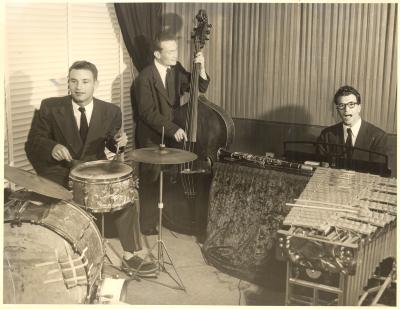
336, 234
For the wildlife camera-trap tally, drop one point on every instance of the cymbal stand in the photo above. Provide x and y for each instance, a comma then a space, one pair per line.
161, 248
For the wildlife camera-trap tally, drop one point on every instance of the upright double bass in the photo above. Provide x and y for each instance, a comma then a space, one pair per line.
208, 128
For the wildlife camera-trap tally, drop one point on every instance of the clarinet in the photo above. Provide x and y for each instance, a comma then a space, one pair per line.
259, 161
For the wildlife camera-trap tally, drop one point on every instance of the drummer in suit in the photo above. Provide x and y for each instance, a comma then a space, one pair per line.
158, 90
79, 127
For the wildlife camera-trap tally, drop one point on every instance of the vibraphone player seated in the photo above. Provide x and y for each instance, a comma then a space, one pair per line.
79, 127
338, 140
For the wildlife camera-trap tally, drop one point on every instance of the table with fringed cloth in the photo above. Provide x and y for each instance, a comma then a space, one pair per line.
246, 208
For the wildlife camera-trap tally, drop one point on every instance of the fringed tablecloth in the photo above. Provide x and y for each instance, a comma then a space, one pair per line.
246, 208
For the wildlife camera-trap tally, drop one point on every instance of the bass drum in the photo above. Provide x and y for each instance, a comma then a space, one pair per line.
53, 252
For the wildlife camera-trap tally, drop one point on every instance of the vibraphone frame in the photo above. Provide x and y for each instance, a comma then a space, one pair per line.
351, 261
350, 287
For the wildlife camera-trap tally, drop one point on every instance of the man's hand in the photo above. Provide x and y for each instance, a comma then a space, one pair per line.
199, 58
60, 153
121, 139
180, 135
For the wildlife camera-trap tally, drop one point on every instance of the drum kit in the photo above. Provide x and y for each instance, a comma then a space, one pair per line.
51, 240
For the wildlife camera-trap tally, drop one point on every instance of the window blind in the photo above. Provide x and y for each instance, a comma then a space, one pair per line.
42, 41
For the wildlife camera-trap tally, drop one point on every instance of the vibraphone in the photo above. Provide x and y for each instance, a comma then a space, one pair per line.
336, 234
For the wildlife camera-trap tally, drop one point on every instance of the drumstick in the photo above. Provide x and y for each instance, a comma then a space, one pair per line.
117, 151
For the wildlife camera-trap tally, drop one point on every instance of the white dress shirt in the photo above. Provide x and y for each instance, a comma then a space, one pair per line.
162, 70
77, 113
354, 131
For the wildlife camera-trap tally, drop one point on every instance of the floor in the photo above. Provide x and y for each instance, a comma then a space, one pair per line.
204, 284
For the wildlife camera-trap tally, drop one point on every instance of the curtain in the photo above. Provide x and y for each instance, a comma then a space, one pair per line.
139, 22
283, 62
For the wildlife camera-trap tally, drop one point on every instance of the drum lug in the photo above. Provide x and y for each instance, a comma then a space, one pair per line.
21, 207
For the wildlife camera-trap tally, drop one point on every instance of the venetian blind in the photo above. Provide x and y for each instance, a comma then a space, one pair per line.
42, 41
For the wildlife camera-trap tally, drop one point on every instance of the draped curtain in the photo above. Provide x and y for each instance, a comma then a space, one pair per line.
139, 22
284, 62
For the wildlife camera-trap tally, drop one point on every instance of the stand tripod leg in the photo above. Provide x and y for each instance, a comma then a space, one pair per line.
102, 225
180, 282
160, 244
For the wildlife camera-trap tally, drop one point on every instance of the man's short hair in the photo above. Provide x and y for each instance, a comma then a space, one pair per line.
345, 91
162, 37
84, 65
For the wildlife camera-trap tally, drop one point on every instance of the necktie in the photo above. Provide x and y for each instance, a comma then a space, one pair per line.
349, 143
84, 128
169, 82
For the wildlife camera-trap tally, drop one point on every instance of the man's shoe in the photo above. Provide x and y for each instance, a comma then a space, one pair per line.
153, 231
142, 268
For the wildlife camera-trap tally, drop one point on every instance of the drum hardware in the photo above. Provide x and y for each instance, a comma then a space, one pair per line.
162, 156
36, 183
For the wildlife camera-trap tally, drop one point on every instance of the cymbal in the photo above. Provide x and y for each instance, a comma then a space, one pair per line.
36, 183
161, 155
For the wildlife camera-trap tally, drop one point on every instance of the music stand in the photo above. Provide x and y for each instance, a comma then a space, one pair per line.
162, 156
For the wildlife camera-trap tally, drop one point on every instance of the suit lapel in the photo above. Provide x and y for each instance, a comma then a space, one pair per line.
339, 134
65, 119
158, 84
363, 137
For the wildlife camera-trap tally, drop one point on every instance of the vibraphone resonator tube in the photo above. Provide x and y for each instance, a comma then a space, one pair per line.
341, 227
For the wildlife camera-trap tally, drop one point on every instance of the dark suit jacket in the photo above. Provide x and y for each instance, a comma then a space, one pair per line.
369, 138
55, 124
154, 107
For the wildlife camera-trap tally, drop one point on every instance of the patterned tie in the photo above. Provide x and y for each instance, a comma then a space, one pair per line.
84, 127
169, 82
349, 144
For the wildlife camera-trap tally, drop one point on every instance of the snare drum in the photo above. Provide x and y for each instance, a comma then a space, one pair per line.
53, 252
103, 186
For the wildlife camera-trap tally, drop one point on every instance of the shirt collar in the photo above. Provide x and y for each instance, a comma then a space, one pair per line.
160, 67
88, 107
354, 129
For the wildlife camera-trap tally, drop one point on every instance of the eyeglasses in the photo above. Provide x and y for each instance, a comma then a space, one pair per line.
342, 106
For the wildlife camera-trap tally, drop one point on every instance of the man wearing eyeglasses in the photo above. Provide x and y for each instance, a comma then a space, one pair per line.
339, 140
